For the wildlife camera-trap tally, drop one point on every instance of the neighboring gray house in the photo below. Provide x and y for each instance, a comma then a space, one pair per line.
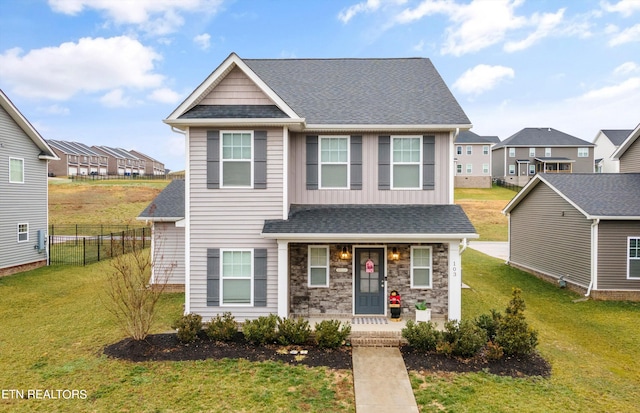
76, 159
606, 142
166, 213
540, 150
473, 160
584, 228
23, 192
628, 154
316, 186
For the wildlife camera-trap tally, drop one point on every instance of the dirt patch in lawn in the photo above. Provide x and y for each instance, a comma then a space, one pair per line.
161, 347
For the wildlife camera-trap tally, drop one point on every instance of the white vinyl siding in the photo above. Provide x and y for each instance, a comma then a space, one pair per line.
23, 232
406, 162
16, 170
236, 277
318, 266
334, 162
421, 265
633, 258
237, 159
583, 152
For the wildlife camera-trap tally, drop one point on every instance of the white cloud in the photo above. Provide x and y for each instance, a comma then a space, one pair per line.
631, 34
418, 47
624, 7
157, 17
367, 6
482, 78
165, 95
55, 110
620, 90
545, 25
627, 68
115, 99
203, 41
90, 65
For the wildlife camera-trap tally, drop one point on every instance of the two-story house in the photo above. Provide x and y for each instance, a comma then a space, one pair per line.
606, 142
540, 150
76, 159
23, 191
473, 160
318, 186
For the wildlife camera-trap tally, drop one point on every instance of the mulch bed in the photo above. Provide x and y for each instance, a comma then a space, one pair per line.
166, 347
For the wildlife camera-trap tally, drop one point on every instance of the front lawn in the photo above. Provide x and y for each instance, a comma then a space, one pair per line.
592, 347
483, 207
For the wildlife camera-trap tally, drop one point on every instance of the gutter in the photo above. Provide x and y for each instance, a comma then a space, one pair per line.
594, 254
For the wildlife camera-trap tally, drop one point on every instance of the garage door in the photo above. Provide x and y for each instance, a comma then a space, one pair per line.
73, 170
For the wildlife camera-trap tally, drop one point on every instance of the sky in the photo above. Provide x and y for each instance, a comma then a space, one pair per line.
107, 72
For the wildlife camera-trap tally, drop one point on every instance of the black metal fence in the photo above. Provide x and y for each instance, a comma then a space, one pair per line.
134, 177
508, 185
67, 248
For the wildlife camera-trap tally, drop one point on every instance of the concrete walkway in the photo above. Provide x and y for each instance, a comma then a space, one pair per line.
492, 248
381, 381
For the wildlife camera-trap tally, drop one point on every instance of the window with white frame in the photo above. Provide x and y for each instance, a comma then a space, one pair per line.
633, 258
512, 152
512, 169
469, 168
421, 267
334, 162
16, 170
23, 232
459, 169
547, 152
236, 277
583, 152
237, 159
469, 149
485, 168
532, 152
532, 169
318, 266
459, 150
485, 150
406, 162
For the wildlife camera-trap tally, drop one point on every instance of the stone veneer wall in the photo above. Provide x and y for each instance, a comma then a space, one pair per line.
337, 299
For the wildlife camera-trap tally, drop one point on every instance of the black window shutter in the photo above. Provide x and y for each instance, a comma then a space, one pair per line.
312, 162
213, 277
260, 160
384, 163
356, 162
260, 277
213, 159
428, 162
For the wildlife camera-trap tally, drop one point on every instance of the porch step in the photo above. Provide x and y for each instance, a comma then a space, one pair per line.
376, 339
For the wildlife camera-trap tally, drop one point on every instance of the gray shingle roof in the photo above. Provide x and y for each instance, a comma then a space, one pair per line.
168, 204
617, 136
233, 112
372, 219
471, 137
612, 195
542, 137
406, 91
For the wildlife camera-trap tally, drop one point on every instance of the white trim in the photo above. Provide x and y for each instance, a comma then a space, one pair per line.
419, 163
251, 277
251, 160
430, 267
283, 278
453, 135
227, 122
626, 144
285, 172
326, 266
187, 228
424, 128
455, 282
629, 238
16, 159
594, 254
18, 232
331, 237
347, 163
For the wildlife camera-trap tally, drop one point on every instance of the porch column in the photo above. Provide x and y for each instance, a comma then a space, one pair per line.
283, 278
455, 281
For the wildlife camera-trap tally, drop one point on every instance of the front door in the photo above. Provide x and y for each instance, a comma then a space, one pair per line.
369, 280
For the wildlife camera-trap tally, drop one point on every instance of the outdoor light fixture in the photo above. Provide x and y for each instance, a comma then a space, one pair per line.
344, 254
395, 255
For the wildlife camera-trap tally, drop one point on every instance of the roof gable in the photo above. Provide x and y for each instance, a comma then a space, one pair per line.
471, 137
628, 142
544, 137
616, 136
168, 205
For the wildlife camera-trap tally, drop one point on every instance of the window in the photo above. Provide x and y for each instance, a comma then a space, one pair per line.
459, 150
236, 277
485, 150
469, 149
532, 152
583, 152
512, 169
16, 170
469, 168
459, 169
334, 162
634, 258
485, 168
512, 152
547, 151
406, 162
318, 266
23, 232
237, 157
532, 169
420, 267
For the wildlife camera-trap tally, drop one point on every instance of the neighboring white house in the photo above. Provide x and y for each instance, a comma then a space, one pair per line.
23, 192
607, 141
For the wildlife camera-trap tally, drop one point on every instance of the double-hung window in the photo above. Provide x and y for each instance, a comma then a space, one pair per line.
458, 150
485, 168
532, 152
406, 162
633, 258
485, 150
334, 162
16, 170
583, 152
237, 159
23, 232
236, 277
512, 152
532, 169
469, 168
512, 169
547, 152
318, 266
459, 169
421, 267
469, 149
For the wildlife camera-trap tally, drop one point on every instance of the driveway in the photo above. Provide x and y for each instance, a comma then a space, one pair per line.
492, 248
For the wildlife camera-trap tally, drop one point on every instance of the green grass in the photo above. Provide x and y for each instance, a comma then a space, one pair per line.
483, 207
591, 345
54, 328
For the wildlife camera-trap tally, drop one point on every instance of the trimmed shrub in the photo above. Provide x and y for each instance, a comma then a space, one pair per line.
464, 338
222, 328
493, 351
514, 334
331, 333
188, 327
293, 331
262, 330
421, 336
489, 323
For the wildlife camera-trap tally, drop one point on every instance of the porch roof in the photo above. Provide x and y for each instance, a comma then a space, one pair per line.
369, 221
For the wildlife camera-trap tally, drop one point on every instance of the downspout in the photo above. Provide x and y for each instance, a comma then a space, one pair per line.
464, 245
594, 254
452, 171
